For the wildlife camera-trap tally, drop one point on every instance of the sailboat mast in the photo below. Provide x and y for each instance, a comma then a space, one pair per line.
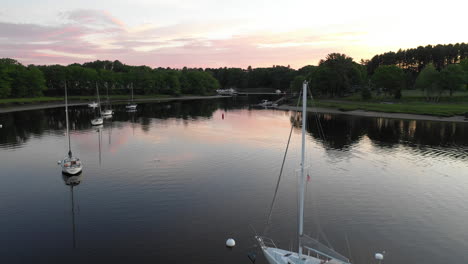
301, 181
66, 118
107, 95
99, 101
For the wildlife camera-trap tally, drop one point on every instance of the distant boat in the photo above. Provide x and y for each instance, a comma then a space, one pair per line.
229, 91
108, 111
93, 105
70, 164
98, 120
310, 251
266, 103
131, 105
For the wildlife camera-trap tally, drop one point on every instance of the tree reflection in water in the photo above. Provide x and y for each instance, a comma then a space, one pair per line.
342, 132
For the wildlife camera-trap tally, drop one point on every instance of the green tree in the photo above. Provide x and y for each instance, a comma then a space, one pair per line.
390, 78
336, 75
452, 78
464, 66
428, 80
36, 81
5, 82
296, 84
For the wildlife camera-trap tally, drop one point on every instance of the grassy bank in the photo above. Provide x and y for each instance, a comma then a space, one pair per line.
411, 96
421, 108
411, 102
46, 99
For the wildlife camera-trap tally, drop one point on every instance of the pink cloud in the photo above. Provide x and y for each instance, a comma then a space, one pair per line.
98, 35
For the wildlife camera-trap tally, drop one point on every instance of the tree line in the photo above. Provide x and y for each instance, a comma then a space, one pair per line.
17, 80
434, 69
416, 59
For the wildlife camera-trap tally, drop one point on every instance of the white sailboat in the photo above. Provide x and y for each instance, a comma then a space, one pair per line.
70, 164
310, 251
131, 105
108, 111
98, 120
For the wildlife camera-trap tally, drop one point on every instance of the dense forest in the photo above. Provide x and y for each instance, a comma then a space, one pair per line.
434, 69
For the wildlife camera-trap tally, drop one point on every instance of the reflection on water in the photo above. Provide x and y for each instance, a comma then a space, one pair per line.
173, 180
340, 132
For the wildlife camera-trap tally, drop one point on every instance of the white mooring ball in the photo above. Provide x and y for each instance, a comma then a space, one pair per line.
378, 256
230, 243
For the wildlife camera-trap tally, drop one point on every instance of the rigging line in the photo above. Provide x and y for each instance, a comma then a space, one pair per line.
281, 170
322, 135
317, 119
349, 249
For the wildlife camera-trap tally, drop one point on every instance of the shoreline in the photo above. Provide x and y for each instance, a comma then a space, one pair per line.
460, 119
38, 106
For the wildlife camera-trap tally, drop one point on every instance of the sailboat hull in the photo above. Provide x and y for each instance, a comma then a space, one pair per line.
72, 171
280, 256
71, 166
107, 112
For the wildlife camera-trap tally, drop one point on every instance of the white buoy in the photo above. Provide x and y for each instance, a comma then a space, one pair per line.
230, 243
1, 125
59, 162
378, 256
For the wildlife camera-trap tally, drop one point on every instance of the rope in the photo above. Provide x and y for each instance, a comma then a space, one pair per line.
281, 171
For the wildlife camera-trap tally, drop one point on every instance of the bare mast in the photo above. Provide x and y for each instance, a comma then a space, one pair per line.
66, 117
301, 181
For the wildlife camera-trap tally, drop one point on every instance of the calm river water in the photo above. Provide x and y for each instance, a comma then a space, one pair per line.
171, 182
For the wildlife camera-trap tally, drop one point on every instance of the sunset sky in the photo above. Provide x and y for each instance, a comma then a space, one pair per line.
217, 33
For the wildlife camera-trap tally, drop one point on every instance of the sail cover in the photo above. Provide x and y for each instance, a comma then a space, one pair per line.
314, 245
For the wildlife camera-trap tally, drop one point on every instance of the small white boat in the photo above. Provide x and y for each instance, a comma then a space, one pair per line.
266, 103
131, 105
97, 121
229, 91
107, 113
93, 105
70, 165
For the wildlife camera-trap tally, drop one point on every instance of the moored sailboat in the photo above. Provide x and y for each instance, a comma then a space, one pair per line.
131, 105
70, 164
108, 111
98, 120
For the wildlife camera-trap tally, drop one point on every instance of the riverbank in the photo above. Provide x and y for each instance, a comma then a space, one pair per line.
7, 108
377, 114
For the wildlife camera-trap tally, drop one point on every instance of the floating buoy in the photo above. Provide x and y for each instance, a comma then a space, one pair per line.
1, 125
59, 162
230, 243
